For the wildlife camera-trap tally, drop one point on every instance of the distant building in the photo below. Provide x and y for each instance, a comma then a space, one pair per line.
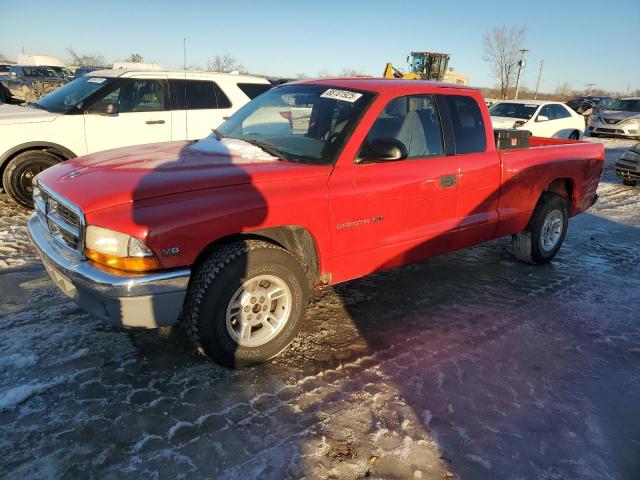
451, 76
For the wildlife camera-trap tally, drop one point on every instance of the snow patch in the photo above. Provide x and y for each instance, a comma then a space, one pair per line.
18, 360
236, 151
16, 395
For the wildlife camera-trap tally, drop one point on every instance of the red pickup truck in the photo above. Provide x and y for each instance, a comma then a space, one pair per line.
310, 184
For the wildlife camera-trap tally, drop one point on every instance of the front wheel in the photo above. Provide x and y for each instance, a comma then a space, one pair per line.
18, 176
544, 235
246, 303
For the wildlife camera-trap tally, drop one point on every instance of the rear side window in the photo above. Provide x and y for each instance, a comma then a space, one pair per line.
252, 90
468, 127
560, 111
197, 95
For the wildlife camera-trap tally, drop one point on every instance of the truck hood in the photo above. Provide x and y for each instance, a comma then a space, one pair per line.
115, 177
12, 114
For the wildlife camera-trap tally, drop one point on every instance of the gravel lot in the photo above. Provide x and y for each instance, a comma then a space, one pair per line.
470, 365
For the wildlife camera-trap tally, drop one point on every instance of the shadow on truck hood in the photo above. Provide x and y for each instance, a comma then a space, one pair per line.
114, 177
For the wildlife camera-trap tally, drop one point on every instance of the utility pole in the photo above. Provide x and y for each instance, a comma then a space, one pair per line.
520, 67
589, 86
535, 96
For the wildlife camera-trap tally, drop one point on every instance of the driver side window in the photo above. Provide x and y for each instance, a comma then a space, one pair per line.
414, 121
135, 95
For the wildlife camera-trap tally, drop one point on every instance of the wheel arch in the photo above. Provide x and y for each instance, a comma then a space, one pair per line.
58, 150
565, 187
297, 240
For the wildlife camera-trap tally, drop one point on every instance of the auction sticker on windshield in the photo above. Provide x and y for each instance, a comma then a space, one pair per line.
344, 95
96, 80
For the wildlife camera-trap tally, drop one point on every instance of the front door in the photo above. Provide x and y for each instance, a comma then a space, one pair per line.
134, 112
390, 213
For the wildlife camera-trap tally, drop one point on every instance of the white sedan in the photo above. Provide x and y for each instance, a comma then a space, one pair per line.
541, 118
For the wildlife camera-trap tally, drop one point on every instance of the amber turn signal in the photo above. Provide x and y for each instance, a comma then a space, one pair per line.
130, 264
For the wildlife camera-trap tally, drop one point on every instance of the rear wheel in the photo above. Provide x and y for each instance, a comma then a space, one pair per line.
246, 303
544, 235
629, 182
19, 173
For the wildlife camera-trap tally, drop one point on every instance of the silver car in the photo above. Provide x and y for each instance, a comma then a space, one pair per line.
621, 118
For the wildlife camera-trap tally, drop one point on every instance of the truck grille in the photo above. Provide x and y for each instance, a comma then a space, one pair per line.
61, 218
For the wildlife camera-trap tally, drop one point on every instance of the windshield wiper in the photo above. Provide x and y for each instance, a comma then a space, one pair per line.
217, 133
268, 148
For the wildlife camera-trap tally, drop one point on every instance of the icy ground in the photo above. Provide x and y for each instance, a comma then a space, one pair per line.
469, 365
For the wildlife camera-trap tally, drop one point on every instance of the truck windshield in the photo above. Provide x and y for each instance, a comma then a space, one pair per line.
70, 95
631, 105
513, 110
302, 123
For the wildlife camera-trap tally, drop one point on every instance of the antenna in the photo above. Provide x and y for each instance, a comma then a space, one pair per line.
186, 112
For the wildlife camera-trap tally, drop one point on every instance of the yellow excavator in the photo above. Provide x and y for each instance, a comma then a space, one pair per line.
423, 66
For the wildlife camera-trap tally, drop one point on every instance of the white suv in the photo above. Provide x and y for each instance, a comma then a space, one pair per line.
114, 108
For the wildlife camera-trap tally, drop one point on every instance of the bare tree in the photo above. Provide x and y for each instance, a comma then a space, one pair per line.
501, 50
135, 58
351, 72
223, 63
563, 90
87, 60
3, 58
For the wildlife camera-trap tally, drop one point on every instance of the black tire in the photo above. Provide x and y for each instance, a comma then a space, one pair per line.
17, 176
629, 182
575, 135
528, 245
213, 286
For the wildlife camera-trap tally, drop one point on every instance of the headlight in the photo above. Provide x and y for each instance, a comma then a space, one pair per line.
633, 119
518, 124
118, 250
631, 155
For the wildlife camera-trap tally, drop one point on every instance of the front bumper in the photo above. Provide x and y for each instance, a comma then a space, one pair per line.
629, 169
147, 300
618, 129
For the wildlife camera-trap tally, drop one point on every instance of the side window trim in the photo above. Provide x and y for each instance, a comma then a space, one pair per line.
447, 127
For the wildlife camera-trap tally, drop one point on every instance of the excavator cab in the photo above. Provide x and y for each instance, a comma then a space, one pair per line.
423, 66
429, 65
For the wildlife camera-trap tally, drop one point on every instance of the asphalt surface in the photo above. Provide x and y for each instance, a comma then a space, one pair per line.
469, 365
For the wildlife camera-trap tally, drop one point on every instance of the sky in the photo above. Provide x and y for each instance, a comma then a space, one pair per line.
580, 41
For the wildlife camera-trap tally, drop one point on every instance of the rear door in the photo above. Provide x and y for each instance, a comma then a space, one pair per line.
479, 170
134, 111
197, 107
390, 213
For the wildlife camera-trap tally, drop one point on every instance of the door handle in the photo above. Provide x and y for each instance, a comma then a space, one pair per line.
154, 122
447, 181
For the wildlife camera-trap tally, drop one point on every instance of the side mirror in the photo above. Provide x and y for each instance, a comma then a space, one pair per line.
542, 118
383, 150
